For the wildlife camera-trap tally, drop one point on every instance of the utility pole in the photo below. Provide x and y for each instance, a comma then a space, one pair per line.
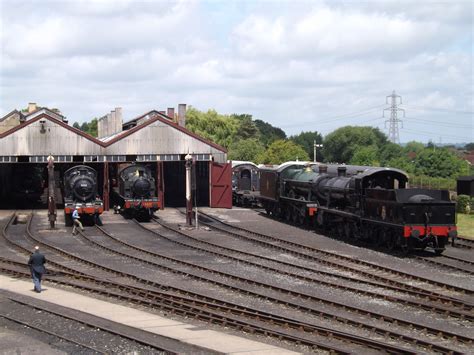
314, 149
393, 135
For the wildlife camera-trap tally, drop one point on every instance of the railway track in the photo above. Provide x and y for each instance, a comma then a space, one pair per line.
229, 316
464, 243
283, 268
86, 333
371, 270
359, 311
298, 324
450, 262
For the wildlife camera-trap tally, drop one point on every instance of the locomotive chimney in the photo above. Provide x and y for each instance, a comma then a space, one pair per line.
323, 169
170, 113
341, 171
118, 119
100, 122
112, 123
32, 107
182, 115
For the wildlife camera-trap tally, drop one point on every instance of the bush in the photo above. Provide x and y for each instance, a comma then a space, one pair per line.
464, 204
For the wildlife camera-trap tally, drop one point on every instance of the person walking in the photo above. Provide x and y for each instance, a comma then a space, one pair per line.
36, 264
76, 221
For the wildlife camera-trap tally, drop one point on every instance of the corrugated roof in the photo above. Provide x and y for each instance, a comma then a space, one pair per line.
47, 114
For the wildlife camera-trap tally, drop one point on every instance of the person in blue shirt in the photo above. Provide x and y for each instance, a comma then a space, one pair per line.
76, 221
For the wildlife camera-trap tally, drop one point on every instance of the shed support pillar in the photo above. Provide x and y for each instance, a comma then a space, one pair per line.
106, 187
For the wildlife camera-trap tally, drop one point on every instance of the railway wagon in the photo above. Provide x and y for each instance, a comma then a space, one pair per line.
136, 193
80, 190
361, 203
245, 183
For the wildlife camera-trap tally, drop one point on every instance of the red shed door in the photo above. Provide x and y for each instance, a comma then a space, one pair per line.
221, 185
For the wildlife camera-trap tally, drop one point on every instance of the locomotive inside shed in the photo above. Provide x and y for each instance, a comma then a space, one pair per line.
154, 139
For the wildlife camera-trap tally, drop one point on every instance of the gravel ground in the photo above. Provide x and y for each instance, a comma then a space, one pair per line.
260, 223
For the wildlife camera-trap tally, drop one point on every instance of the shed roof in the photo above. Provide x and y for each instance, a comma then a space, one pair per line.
155, 116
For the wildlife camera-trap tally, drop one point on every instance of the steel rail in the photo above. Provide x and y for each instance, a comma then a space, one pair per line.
404, 337
357, 310
335, 255
441, 310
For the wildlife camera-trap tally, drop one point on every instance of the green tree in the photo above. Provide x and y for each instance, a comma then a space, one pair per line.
92, 127
246, 127
84, 126
340, 145
76, 125
401, 163
246, 149
217, 128
268, 133
283, 150
306, 140
440, 162
389, 152
366, 156
414, 147
469, 146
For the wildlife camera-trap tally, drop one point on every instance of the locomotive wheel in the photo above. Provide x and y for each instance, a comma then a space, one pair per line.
390, 243
97, 220
294, 215
301, 219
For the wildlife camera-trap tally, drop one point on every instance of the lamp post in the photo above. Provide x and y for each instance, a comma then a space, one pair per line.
189, 206
316, 146
51, 193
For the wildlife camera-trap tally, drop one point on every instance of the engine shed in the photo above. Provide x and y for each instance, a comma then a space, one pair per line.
156, 139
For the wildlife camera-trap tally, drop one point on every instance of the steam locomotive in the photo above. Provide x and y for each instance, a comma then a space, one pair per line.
136, 193
80, 190
28, 185
245, 183
360, 203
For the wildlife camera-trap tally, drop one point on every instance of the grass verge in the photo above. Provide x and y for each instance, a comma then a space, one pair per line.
465, 225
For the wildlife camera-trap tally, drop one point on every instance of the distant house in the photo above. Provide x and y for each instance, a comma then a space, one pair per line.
469, 156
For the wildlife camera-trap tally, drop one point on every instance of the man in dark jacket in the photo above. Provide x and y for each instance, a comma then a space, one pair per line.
36, 264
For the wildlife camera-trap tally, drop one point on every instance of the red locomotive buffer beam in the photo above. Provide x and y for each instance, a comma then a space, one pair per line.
95, 209
151, 203
440, 231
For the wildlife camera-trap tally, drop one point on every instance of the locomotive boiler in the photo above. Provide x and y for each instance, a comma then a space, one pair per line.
80, 190
136, 193
357, 202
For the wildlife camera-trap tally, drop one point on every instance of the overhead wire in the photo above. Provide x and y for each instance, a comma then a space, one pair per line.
347, 116
446, 124
437, 109
436, 135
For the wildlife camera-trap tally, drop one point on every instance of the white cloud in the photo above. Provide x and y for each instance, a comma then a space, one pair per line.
293, 64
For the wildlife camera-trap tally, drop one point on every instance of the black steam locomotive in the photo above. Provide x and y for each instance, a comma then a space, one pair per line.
360, 202
28, 185
136, 193
80, 191
245, 183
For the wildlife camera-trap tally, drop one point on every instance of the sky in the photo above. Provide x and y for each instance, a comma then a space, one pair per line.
298, 65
